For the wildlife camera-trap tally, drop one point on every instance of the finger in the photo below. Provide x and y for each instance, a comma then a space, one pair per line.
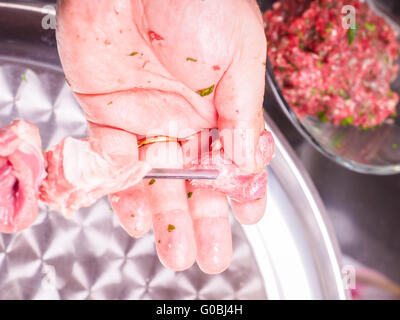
131, 206
239, 98
239, 95
210, 214
249, 212
173, 227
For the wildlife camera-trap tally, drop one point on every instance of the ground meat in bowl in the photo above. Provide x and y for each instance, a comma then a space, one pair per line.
340, 75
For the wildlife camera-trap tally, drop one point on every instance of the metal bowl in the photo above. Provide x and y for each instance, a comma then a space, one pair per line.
374, 151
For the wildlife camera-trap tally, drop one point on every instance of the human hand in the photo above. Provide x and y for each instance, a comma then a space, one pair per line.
169, 69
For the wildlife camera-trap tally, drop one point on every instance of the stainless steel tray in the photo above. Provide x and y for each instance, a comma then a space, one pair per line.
291, 253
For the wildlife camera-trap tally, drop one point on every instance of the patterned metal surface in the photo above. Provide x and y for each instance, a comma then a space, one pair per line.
90, 256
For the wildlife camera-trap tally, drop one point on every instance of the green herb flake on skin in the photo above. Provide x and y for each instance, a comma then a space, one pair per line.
190, 194
319, 63
152, 181
322, 116
394, 146
370, 27
134, 53
347, 121
313, 91
352, 33
171, 228
191, 59
207, 91
23, 76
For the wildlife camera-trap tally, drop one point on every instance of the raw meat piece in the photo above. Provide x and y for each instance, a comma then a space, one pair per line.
232, 181
21, 172
80, 174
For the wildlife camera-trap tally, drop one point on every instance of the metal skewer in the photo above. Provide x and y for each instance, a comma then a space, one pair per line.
182, 174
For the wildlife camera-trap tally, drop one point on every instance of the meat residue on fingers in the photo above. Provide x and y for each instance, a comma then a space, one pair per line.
21, 172
231, 181
238, 187
155, 36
